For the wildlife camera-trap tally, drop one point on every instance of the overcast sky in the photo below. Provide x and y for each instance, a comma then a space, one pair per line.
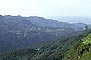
46, 8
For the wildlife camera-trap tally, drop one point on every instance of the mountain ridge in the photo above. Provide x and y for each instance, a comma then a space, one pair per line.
20, 32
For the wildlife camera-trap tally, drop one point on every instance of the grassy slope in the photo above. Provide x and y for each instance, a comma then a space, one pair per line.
81, 50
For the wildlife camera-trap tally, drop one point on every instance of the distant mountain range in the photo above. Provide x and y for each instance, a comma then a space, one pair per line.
40, 21
18, 31
73, 19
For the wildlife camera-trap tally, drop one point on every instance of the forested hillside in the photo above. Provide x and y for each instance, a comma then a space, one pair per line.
55, 50
19, 54
81, 50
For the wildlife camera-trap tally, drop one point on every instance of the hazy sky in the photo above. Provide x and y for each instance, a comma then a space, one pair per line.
46, 8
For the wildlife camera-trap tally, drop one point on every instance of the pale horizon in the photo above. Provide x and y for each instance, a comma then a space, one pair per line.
47, 8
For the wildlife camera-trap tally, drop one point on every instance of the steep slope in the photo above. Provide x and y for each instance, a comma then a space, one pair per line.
19, 32
54, 50
81, 50
20, 54
40, 21
11, 32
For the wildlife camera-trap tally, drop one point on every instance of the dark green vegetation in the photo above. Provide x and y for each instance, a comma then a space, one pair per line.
54, 50
19, 54
81, 50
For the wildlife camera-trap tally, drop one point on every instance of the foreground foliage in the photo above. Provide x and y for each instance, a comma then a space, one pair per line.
81, 50
20, 54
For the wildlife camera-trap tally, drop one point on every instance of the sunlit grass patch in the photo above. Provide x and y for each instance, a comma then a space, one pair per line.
87, 40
